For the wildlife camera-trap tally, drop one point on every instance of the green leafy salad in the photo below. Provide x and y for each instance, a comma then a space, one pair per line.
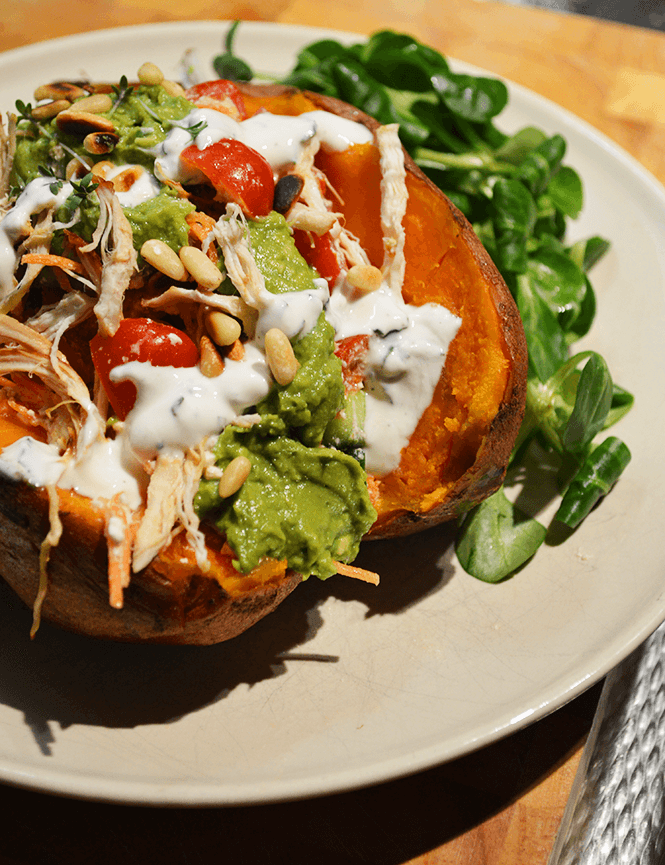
519, 197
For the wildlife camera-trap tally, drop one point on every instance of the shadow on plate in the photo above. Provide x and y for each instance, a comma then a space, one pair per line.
69, 679
475, 804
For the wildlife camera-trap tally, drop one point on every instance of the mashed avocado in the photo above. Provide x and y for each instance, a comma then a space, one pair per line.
162, 216
302, 502
142, 120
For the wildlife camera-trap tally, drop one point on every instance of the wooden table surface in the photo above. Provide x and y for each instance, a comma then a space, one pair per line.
503, 804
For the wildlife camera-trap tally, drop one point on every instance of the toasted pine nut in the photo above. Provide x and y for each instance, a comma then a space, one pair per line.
49, 109
173, 88
223, 329
59, 90
199, 266
163, 258
237, 351
102, 168
150, 74
234, 476
98, 143
210, 363
98, 103
82, 123
365, 278
74, 169
124, 181
308, 219
279, 354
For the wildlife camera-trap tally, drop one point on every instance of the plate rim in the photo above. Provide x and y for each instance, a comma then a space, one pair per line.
78, 786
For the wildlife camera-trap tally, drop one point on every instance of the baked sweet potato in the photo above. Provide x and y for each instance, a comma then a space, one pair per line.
456, 456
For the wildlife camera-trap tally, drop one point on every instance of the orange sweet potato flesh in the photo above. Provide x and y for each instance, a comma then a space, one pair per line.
459, 451
456, 457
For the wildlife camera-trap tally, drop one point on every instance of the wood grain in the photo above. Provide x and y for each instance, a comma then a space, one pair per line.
502, 805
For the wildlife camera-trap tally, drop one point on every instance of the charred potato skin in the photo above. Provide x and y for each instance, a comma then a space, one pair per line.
198, 610
195, 611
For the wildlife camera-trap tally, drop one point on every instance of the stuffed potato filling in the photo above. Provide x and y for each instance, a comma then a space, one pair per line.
191, 337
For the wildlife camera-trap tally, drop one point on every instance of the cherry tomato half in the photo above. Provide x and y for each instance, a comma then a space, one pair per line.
221, 95
138, 339
352, 351
238, 172
319, 253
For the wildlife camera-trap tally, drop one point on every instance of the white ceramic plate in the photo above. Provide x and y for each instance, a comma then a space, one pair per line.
346, 685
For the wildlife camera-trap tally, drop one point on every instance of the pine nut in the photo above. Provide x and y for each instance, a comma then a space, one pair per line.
223, 329
237, 351
98, 103
102, 168
59, 90
199, 266
234, 476
163, 258
279, 354
365, 278
150, 74
82, 123
75, 169
173, 88
98, 143
210, 363
49, 109
124, 181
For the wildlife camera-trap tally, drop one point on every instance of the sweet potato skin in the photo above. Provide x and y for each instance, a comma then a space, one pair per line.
194, 608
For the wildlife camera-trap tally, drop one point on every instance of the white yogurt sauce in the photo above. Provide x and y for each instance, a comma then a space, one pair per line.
35, 198
106, 467
294, 312
180, 407
278, 138
407, 352
31, 460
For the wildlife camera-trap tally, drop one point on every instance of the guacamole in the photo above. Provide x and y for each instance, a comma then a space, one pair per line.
302, 502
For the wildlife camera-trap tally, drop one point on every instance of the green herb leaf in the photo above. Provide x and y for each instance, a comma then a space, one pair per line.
598, 474
593, 399
496, 538
229, 66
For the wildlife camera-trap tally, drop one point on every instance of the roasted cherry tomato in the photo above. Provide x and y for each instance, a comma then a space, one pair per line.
221, 95
238, 172
318, 252
138, 339
352, 351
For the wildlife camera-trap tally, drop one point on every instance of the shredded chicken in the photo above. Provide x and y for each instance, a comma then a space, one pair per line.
349, 252
24, 350
173, 298
53, 320
232, 234
156, 526
113, 235
7, 148
51, 540
393, 205
38, 241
